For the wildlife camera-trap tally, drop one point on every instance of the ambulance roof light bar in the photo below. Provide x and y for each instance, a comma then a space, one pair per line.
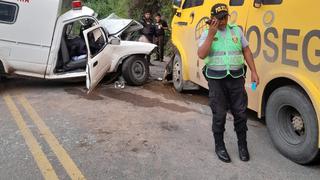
76, 5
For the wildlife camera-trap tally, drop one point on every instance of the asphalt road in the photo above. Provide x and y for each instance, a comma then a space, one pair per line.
53, 130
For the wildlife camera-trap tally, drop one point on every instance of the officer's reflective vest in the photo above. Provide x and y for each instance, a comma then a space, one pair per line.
226, 57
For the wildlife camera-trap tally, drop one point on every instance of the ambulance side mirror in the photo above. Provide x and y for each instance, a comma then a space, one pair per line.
114, 41
257, 3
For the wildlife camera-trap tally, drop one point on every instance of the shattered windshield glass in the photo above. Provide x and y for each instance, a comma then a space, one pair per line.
115, 25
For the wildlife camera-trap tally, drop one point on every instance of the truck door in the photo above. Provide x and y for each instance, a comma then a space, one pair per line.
238, 10
185, 26
239, 14
99, 55
263, 31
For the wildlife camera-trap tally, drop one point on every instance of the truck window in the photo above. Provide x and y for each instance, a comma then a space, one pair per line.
177, 3
266, 2
97, 41
8, 12
192, 3
236, 2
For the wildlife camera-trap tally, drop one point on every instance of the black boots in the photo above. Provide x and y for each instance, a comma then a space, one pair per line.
222, 154
243, 153
220, 148
242, 146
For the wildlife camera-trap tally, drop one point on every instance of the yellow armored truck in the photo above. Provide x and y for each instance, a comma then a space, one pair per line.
284, 37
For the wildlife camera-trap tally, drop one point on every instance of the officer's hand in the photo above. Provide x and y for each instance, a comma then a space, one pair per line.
255, 78
213, 28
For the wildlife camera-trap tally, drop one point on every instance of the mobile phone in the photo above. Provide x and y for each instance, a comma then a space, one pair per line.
209, 21
253, 86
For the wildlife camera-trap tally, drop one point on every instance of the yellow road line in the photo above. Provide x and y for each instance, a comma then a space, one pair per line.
39, 156
54, 144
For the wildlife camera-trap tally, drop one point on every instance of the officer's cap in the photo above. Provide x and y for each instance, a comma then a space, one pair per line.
219, 10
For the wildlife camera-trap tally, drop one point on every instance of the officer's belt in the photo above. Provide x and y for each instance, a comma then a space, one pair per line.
222, 53
222, 68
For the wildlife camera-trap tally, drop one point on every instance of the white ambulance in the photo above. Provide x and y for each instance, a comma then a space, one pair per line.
58, 39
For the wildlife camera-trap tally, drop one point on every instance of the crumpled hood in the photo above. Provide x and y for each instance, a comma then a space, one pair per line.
116, 25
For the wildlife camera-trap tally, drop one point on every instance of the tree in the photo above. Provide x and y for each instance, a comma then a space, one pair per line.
137, 7
130, 8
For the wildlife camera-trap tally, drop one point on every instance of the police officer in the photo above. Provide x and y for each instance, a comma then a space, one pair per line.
160, 27
224, 49
148, 26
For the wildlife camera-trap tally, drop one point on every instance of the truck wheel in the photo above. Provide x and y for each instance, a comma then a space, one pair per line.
177, 73
292, 124
135, 70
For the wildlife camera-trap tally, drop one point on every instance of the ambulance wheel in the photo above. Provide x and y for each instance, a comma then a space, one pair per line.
292, 124
135, 70
2, 77
177, 73
2, 72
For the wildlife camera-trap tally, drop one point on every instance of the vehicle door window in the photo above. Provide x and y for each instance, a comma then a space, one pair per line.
75, 29
266, 2
74, 36
97, 41
236, 2
177, 3
192, 3
8, 12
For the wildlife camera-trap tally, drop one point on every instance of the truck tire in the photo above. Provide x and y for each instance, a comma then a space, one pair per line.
292, 124
135, 70
177, 77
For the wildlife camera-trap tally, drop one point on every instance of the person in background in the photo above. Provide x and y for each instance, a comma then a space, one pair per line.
148, 31
160, 27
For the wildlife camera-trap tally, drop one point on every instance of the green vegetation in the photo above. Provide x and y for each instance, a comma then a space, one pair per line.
130, 8
106, 7
134, 9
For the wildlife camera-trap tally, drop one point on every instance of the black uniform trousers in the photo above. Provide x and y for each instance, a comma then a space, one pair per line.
159, 41
224, 94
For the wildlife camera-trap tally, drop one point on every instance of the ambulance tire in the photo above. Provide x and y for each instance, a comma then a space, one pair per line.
177, 77
292, 124
3, 77
2, 72
135, 70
